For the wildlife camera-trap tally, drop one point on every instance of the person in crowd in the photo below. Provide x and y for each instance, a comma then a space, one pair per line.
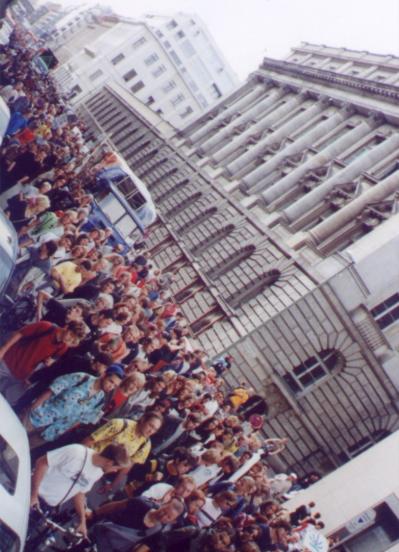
134, 435
118, 525
70, 399
54, 472
40, 342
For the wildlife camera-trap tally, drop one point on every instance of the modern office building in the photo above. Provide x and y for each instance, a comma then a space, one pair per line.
171, 63
278, 214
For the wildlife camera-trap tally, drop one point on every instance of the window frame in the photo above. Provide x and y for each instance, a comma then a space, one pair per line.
388, 308
131, 74
118, 58
315, 364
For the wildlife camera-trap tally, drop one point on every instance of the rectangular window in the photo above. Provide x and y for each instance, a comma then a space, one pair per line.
170, 85
150, 100
180, 34
167, 44
117, 59
95, 75
158, 71
216, 93
186, 112
387, 312
171, 25
151, 59
136, 87
177, 99
139, 42
130, 75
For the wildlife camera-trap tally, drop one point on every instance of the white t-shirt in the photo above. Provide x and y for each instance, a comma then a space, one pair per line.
64, 465
203, 474
157, 491
208, 513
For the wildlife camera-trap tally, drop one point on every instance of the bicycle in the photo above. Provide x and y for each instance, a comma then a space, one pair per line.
45, 534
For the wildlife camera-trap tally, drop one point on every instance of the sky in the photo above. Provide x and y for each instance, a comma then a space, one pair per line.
246, 31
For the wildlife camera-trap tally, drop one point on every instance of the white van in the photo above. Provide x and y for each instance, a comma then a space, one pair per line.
4, 118
8, 251
14, 480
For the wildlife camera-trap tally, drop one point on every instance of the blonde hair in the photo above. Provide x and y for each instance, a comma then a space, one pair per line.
39, 204
138, 378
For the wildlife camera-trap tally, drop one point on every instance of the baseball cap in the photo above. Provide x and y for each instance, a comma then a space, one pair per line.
116, 369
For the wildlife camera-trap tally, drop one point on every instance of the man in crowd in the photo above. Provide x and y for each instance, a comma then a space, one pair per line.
70, 472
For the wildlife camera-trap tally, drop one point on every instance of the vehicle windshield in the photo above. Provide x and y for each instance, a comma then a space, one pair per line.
8, 466
6, 267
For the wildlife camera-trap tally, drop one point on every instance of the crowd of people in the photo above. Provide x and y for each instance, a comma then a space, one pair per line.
126, 418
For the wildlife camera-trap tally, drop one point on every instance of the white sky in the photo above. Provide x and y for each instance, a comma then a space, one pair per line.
248, 30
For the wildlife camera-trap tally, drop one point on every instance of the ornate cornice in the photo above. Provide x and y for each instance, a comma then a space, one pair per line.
382, 90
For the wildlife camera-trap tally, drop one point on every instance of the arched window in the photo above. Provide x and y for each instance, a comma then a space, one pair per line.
254, 288
313, 369
172, 190
180, 207
231, 262
213, 238
197, 220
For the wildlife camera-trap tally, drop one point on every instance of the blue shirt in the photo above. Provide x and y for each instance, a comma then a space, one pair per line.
71, 403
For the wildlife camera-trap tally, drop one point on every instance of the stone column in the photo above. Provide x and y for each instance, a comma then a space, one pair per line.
353, 170
291, 125
220, 136
253, 182
224, 142
248, 98
348, 213
324, 156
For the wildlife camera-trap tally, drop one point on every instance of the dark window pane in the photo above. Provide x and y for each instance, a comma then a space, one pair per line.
8, 539
9, 464
292, 383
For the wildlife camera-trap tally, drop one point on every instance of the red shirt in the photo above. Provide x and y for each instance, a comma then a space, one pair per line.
38, 343
118, 399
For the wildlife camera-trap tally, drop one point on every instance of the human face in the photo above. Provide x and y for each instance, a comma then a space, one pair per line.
103, 322
132, 388
100, 304
99, 368
167, 514
194, 505
108, 288
248, 533
65, 242
109, 383
149, 427
70, 339
75, 313
182, 467
220, 540
184, 489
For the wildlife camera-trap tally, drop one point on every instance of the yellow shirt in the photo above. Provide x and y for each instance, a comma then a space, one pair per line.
122, 432
239, 397
70, 277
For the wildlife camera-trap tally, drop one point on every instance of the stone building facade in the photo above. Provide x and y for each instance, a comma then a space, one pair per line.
277, 212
